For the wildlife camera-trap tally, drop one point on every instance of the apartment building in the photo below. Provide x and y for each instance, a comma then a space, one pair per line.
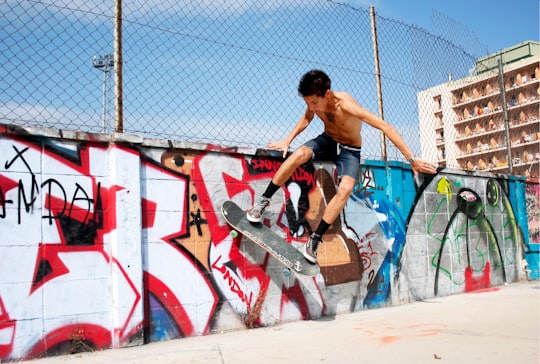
481, 123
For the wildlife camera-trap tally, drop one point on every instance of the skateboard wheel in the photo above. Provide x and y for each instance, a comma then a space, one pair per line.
234, 233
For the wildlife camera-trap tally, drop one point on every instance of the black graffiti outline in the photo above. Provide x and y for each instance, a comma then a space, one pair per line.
51, 216
477, 211
80, 194
21, 195
3, 203
197, 219
18, 153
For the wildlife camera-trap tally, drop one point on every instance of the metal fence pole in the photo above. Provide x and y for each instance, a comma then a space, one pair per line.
118, 104
505, 118
378, 78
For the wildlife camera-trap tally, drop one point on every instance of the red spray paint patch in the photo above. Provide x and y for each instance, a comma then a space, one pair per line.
476, 284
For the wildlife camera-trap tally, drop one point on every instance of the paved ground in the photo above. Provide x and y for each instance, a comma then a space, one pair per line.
496, 326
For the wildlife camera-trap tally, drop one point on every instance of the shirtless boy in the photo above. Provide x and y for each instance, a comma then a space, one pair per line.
340, 142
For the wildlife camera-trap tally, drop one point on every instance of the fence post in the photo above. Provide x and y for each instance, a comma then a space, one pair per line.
378, 77
505, 118
118, 105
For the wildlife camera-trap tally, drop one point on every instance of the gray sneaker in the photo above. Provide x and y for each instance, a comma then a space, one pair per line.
310, 248
256, 212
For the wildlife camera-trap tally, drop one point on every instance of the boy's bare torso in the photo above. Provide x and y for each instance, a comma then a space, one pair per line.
339, 124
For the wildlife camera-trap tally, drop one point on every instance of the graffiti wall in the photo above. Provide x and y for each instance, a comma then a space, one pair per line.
105, 245
532, 224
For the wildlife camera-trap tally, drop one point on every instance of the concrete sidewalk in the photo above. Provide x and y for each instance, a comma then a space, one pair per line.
495, 326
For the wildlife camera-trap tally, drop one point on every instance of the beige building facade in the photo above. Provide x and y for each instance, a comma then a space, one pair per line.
481, 123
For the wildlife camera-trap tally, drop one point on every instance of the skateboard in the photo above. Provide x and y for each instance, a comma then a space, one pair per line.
268, 240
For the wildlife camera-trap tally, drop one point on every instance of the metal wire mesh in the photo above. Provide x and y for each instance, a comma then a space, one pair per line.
222, 72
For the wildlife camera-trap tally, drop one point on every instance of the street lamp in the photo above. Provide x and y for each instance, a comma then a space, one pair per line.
106, 64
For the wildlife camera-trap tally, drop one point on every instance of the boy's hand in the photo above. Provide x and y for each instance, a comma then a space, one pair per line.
420, 165
281, 145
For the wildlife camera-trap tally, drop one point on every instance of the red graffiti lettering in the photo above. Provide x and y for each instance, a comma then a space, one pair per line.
299, 175
266, 164
232, 282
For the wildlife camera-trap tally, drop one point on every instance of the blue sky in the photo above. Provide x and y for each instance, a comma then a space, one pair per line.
496, 24
71, 94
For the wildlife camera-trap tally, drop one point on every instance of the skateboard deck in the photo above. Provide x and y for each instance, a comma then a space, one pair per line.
268, 240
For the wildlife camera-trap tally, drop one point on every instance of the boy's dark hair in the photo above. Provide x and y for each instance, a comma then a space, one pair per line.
315, 82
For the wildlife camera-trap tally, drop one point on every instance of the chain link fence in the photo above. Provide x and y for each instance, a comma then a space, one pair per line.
221, 72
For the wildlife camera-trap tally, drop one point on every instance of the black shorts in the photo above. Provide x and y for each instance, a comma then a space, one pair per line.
346, 157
